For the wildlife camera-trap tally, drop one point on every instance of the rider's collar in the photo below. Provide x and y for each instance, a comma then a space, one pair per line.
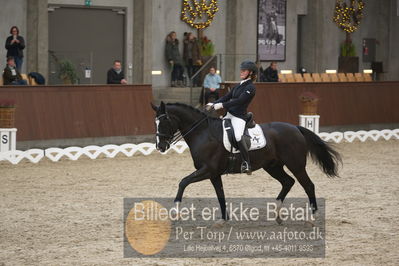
245, 80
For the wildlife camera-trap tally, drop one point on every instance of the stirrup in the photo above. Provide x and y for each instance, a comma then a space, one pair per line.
245, 168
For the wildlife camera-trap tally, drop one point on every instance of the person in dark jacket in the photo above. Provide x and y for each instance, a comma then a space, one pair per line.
173, 57
37, 77
236, 102
115, 74
271, 74
15, 44
192, 56
11, 75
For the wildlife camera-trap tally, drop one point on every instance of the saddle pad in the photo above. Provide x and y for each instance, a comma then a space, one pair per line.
258, 140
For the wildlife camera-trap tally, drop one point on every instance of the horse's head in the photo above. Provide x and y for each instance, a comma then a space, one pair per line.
164, 127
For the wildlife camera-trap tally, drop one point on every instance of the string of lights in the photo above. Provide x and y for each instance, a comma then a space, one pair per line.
202, 10
348, 17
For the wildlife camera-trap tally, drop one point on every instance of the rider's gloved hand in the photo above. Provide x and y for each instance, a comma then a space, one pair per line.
208, 107
218, 106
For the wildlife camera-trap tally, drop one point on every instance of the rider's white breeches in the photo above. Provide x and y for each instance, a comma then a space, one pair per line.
238, 125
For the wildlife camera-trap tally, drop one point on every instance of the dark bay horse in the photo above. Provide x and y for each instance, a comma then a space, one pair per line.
286, 145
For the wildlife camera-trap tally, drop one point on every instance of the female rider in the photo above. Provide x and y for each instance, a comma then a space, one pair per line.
236, 103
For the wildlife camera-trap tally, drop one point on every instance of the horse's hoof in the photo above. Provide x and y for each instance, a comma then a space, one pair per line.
312, 221
279, 220
175, 212
219, 224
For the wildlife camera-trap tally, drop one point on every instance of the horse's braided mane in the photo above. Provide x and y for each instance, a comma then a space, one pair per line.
193, 109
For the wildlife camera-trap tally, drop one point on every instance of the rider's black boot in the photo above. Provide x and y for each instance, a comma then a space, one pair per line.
245, 166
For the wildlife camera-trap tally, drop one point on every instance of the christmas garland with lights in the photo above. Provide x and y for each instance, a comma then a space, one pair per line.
197, 11
348, 17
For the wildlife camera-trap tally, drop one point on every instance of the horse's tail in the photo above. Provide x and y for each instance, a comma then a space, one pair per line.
321, 152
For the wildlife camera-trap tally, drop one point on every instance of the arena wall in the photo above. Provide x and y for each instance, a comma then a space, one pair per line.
58, 112
62, 112
341, 103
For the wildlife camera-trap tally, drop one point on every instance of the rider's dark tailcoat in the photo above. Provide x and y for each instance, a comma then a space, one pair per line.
237, 100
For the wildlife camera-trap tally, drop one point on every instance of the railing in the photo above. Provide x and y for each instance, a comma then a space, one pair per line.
226, 64
207, 63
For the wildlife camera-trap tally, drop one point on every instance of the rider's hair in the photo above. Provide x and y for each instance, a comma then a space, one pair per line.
253, 76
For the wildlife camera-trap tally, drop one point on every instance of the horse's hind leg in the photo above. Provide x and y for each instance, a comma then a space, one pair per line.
218, 185
277, 172
308, 186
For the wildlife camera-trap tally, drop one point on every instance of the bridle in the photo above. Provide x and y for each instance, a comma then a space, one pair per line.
174, 138
162, 134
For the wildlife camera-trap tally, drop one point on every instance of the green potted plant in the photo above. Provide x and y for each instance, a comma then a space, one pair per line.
7, 113
348, 49
207, 47
67, 72
348, 62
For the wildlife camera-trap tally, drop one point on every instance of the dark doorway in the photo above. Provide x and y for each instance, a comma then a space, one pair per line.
299, 59
90, 38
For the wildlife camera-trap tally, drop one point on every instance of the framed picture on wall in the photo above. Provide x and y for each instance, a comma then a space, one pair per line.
272, 30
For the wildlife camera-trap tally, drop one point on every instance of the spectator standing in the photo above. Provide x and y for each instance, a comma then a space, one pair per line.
11, 75
115, 75
173, 57
15, 44
192, 56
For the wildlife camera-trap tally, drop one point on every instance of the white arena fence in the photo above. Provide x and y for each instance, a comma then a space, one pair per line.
110, 151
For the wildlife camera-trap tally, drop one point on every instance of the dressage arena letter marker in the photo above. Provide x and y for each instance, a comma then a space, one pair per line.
8, 139
311, 122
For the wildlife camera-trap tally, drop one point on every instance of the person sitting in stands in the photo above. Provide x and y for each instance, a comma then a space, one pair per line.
212, 85
11, 75
115, 74
271, 74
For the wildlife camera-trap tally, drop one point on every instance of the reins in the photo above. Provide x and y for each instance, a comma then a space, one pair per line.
177, 137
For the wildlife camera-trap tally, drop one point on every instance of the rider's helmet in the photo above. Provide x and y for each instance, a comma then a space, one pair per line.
249, 65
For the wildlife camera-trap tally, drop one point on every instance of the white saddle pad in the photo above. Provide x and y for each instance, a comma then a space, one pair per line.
258, 140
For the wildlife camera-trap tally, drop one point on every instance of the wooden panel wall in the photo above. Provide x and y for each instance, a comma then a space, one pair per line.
55, 112
341, 103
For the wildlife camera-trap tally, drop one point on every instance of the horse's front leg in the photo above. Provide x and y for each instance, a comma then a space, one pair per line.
199, 175
218, 185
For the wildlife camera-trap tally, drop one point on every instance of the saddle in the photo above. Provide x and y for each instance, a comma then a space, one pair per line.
253, 136
250, 123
